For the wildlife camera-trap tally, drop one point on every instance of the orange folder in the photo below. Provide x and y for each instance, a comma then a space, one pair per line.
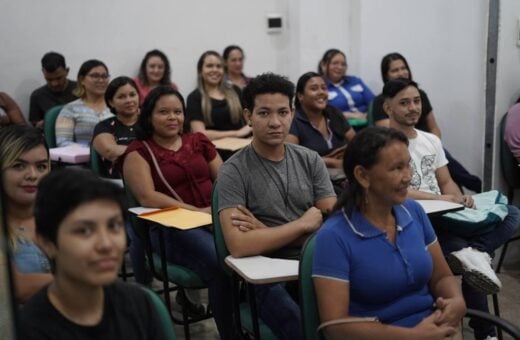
178, 218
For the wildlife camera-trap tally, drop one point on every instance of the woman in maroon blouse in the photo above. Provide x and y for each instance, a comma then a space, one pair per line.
189, 164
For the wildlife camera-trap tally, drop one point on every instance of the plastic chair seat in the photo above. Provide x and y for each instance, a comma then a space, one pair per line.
180, 275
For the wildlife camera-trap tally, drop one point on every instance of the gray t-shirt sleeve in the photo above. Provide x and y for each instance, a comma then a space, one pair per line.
231, 189
321, 179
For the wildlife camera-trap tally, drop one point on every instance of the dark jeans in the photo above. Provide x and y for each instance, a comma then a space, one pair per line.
195, 249
488, 243
278, 311
136, 251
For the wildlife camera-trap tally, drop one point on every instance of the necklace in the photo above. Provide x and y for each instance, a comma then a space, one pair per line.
284, 190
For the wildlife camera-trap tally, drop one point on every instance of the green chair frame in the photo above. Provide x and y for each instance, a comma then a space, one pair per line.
164, 316
308, 306
511, 174
167, 272
95, 160
310, 313
49, 125
243, 317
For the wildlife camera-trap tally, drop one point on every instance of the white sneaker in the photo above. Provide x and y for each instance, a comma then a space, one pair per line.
476, 269
489, 337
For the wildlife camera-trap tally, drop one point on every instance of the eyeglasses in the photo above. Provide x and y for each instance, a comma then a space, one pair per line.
99, 76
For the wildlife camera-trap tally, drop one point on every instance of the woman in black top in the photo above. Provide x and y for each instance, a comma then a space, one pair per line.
112, 135
214, 107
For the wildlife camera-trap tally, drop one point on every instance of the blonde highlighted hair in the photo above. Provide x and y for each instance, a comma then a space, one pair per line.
16, 140
231, 96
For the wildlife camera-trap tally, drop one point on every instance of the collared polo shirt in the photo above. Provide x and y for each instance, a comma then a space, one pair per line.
310, 137
387, 281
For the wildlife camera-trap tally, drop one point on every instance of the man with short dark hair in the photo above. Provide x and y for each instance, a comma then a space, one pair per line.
57, 91
272, 194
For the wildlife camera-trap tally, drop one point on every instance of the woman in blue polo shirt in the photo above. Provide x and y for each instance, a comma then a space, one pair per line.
317, 125
378, 265
347, 93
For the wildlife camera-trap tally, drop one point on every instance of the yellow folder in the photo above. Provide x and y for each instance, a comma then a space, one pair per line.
178, 218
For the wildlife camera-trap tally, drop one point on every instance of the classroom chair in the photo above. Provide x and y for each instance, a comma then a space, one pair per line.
163, 314
167, 272
309, 307
49, 125
243, 318
511, 174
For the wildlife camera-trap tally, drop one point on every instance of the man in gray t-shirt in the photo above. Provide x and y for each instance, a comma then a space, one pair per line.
271, 194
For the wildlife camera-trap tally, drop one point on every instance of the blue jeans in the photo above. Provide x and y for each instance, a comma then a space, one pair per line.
278, 311
195, 249
137, 256
488, 243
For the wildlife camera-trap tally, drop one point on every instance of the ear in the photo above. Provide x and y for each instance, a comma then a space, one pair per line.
361, 175
387, 108
47, 246
299, 96
247, 116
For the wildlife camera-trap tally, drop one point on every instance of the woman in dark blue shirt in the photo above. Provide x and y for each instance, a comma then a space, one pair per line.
317, 125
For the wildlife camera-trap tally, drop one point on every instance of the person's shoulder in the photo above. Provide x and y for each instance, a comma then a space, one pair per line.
34, 307
196, 138
128, 294
352, 80
239, 157
75, 103
194, 94
335, 226
411, 206
429, 136
125, 289
301, 151
40, 91
514, 110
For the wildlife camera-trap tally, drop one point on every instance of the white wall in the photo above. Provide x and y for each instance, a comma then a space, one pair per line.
444, 42
120, 32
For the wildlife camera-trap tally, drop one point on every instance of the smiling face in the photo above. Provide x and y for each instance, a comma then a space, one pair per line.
96, 81
21, 178
314, 96
397, 69
90, 244
387, 181
154, 70
167, 117
271, 119
125, 101
212, 70
404, 109
336, 68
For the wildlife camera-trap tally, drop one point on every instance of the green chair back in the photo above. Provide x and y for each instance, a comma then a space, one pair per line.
220, 243
164, 316
95, 160
308, 305
49, 125
508, 163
